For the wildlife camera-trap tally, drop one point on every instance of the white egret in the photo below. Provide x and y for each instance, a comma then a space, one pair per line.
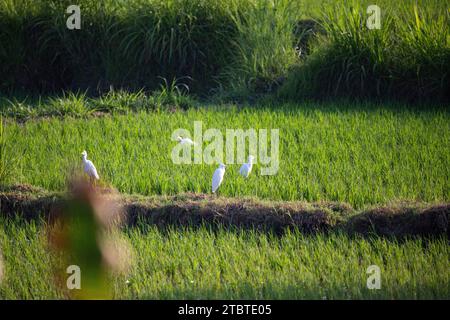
246, 168
185, 140
89, 167
218, 177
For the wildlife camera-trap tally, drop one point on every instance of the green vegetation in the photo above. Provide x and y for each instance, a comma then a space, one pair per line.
170, 96
3, 159
235, 48
357, 153
140, 69
195, 264
408, 57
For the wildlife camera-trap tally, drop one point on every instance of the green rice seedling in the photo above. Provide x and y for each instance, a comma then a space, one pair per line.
358, 153
3, 157
226, 264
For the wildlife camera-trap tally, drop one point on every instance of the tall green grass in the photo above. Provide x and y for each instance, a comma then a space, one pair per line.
357, 153
234, 48
263, 49
131, 44
121, 43
200, 264
407, 58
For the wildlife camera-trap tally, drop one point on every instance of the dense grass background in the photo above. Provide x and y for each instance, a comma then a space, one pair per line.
128, 43
357, 153
199, 264
235, 48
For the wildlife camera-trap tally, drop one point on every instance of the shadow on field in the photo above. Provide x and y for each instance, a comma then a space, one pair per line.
199, 210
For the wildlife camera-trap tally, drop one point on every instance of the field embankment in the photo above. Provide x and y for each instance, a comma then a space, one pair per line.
196, 210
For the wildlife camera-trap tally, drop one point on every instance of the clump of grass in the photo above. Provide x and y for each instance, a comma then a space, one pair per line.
121, 101
405, 59
19, 108
424, 54
70, 104
173, 94
170, 96
263, 48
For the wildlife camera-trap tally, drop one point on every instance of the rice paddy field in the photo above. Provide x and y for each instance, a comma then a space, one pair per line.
363, 126
358, 154
370, 156
199, 264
